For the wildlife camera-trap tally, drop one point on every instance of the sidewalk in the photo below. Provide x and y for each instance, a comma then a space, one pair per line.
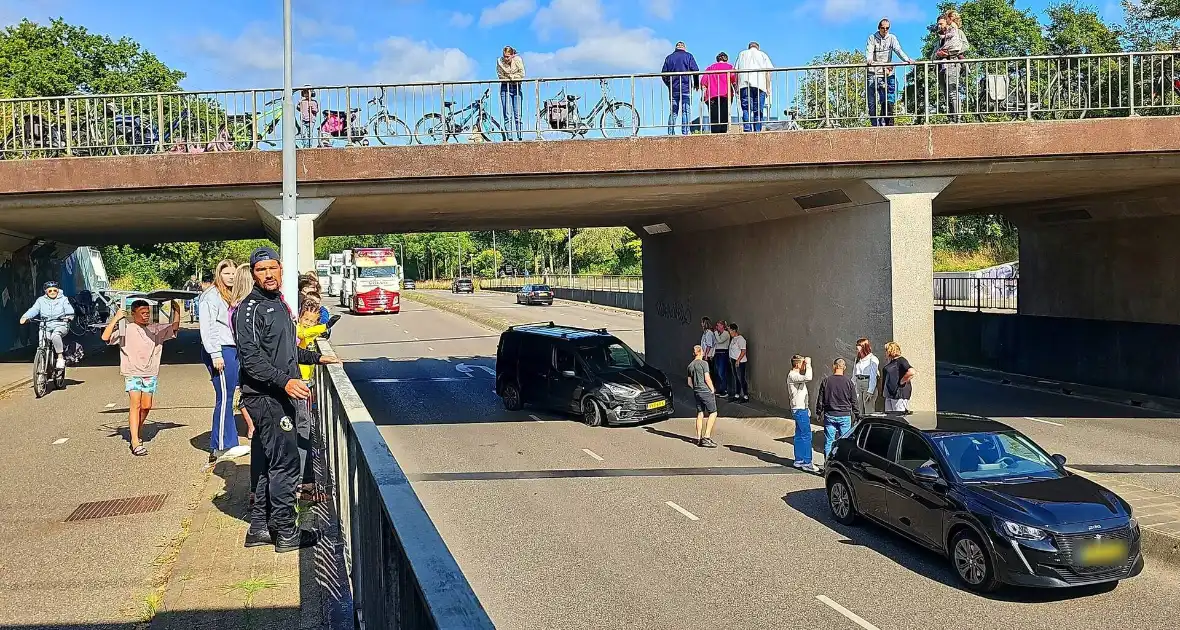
1158, 513
174, 559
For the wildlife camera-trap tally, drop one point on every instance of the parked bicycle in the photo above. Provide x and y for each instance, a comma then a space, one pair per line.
386, 128
33, 134
45, 371
451, 126
559, 118
91, 312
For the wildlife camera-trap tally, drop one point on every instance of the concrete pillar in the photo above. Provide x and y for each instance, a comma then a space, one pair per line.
910, 301
296, 237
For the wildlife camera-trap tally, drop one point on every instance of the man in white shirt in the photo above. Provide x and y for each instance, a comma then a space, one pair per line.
708, 341
865, 373
737, 353
797, 380
753, 86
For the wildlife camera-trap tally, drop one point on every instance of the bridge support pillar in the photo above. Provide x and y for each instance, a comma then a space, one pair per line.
297, 233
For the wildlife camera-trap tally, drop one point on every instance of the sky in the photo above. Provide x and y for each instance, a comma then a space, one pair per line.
237, 44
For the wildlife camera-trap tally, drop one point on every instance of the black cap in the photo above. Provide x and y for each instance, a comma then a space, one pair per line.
263, 253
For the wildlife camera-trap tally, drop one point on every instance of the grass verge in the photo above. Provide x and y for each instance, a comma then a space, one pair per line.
473, 313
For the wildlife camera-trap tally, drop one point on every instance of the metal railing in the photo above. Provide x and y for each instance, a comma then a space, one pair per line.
978, 294
401, 573
614, 106
625, 284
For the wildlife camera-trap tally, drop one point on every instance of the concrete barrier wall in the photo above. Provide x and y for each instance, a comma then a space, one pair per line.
1129, 356
629, 300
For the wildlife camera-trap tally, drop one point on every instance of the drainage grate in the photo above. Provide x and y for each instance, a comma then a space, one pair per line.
118, 507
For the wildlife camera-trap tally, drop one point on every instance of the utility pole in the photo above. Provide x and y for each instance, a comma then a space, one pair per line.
288, 228
495, 257
569, 242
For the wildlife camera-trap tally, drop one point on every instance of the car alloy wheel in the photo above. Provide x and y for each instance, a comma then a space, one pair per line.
591, 413
972, 563
512, 401
840, 501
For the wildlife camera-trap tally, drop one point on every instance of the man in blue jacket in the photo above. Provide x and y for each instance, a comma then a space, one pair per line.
680, 86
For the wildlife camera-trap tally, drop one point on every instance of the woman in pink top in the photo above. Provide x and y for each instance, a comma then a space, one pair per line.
717, 84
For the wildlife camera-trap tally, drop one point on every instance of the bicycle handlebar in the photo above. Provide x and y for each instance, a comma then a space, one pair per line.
42, 320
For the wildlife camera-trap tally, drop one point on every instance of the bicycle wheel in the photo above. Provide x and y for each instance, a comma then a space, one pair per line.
390, 131
431, 129
545, 131
490, 128
80, 326
619, 120
41, 372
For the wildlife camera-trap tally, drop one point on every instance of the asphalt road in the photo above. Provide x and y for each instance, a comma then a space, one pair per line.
559, 525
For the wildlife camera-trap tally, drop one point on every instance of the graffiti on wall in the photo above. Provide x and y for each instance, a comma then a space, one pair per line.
676, 310
22, 273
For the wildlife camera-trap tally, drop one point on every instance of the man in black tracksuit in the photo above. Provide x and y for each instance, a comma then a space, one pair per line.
269, 357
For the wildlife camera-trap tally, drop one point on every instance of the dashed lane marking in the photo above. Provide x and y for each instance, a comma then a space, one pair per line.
1043, 421
592, 454
686, 513
60, 441
853, 617
110, 405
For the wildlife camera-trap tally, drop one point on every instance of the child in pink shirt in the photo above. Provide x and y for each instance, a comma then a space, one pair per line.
140, 348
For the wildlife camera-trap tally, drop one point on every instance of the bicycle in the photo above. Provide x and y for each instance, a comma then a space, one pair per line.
91, 312
560, 116
388, 129
31, 133
450, 125
44, 362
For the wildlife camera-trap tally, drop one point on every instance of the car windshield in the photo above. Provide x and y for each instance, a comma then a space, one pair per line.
376, 272
994, 456
540, 287
609, 356
335, 269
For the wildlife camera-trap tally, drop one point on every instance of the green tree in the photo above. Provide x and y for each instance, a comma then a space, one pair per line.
994, 28
836, 94
1151, 25
1077, 30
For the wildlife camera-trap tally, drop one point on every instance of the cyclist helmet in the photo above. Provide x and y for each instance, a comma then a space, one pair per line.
49, 285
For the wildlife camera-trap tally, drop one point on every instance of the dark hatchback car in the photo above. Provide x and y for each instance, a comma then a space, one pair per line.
409, 284
462, 285
535, 294
574, 370
985, 496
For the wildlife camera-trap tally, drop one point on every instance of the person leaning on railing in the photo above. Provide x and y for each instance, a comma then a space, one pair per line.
882, 82
952, 45
510, 69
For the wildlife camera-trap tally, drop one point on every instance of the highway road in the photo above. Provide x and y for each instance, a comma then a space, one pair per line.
559, 525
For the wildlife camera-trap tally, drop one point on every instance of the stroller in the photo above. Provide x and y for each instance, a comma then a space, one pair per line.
339, 124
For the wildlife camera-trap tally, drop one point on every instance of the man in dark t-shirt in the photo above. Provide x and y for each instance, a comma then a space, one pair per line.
702, 390
898, 376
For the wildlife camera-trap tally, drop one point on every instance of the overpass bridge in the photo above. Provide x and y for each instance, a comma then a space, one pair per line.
830, 212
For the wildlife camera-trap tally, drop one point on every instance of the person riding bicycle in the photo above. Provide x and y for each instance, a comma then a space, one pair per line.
56, 308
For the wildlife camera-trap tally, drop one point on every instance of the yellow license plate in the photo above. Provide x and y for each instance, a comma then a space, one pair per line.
657, 404
1103, 553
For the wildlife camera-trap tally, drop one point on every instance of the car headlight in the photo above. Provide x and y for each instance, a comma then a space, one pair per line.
1021, 532
624, 391
1134, 525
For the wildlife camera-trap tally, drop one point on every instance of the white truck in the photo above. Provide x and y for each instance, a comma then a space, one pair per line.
335, 273
346, 274
321, 274
373, 281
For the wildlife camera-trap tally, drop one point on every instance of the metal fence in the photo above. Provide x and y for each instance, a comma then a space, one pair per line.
615, 106
624, 284
977, 294
401, 573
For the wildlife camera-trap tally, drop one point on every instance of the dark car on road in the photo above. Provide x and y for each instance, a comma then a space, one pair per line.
985, 496
579, 371
535, 294
462, 285
409, 284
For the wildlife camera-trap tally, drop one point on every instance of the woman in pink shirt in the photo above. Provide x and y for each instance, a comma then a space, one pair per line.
717, 85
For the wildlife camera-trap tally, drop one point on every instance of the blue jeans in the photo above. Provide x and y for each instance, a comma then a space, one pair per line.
680, 105
225, 424
721, 359
510, 109
882, 94
835, 427
753, 108
802, 437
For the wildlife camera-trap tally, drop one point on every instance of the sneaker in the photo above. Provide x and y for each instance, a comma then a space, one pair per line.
256, 538
797, 464
708, 443
745, 399
216, 455
811, 468
235, 452
61, 363
295, 541
700, 442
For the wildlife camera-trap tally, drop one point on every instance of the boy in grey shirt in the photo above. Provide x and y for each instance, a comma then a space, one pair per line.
702, 391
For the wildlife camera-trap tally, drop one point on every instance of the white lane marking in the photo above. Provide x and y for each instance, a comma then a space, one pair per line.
592, 454
1043, 421
853, 617
690, 515
110, 405
447, 359
536, 418
429, 348
60, 441
437, 379
583, 319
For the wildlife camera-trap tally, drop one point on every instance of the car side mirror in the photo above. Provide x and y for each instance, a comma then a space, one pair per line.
568, 373
1059, 459
927, 474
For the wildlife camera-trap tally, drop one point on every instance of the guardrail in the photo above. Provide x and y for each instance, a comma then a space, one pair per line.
612, 106
626, 284
979, 294
401, 573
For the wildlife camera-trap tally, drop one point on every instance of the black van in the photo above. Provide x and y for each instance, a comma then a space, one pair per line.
580, 371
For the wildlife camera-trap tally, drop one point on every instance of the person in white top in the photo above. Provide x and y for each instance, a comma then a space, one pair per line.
865, 373
797, 381
708, 341
721, 358
737, 353
754, 86
882, 82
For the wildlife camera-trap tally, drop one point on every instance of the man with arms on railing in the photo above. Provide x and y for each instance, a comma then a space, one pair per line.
882, 80
269, 356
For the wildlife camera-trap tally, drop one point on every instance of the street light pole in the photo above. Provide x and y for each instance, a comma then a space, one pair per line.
495, 257
288, 228
569, 244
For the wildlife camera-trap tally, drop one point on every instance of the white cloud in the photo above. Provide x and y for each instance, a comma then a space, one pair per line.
253, 59
842, 11
661, 9
461, 20
505, 12
599, 44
